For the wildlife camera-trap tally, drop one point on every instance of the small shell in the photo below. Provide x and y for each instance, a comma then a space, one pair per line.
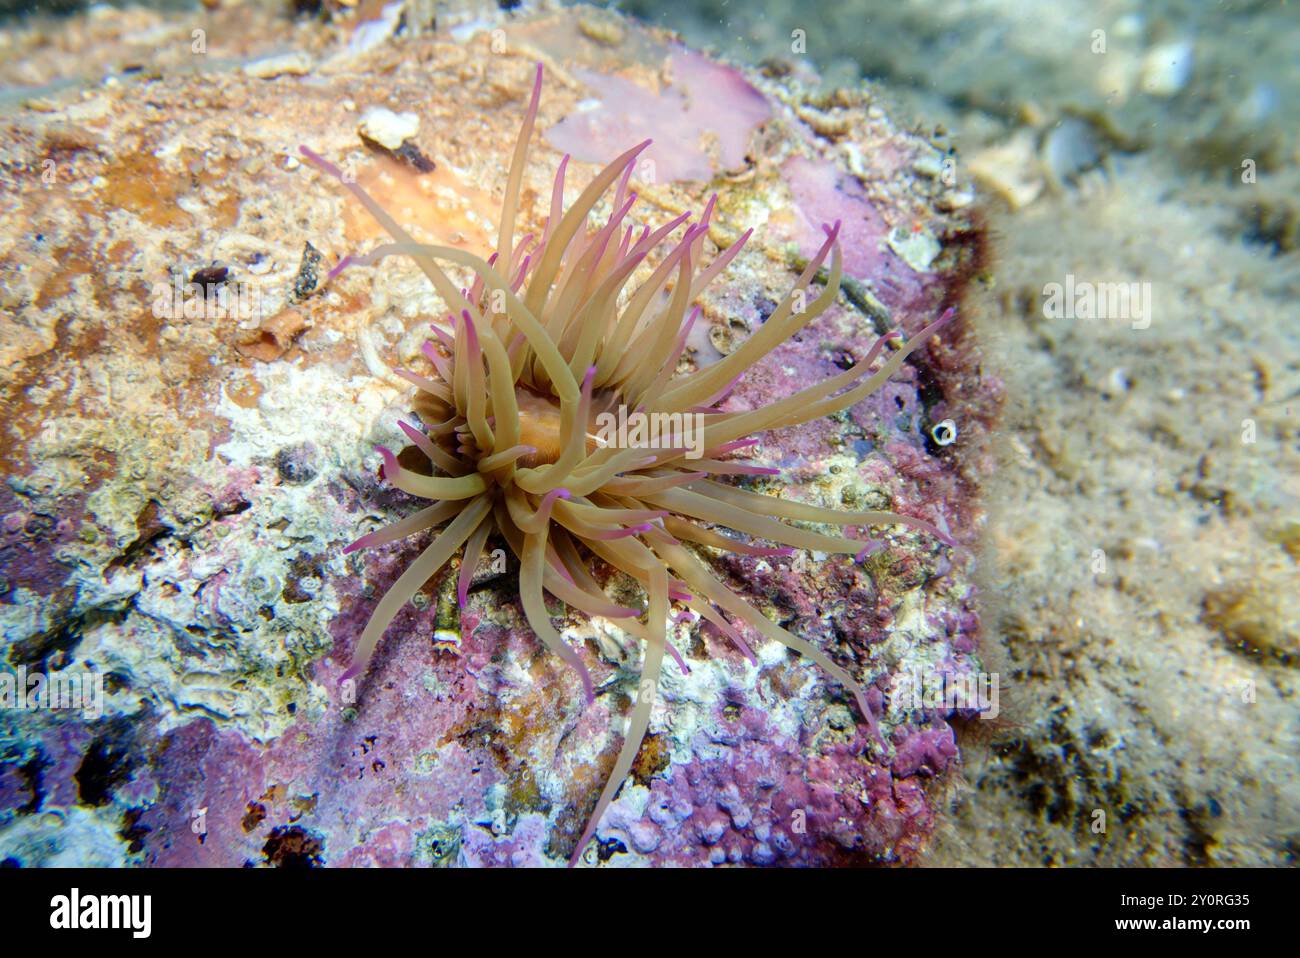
390, 130
1070, 149
291, 64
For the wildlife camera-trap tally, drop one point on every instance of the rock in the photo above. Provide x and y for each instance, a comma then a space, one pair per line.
181, 484
1256, 619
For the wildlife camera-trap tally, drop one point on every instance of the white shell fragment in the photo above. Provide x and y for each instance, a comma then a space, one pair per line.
944, 433
917, 248
1069, 150
390, 130
1167, 68
266, 68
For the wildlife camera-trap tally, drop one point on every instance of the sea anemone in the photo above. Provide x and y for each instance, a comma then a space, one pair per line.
550, 340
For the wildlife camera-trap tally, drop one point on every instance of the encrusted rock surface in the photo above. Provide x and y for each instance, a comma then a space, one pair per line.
189, 417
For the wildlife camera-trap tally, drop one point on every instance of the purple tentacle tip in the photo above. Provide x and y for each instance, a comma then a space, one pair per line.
391, 465
871, 548
343, 264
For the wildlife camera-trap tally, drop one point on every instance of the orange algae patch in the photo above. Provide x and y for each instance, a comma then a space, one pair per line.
139, 184
448, 210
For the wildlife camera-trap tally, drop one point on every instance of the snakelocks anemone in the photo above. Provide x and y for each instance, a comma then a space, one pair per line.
549, 343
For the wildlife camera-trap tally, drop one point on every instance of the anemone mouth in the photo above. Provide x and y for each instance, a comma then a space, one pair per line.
541, 424
552, 333
540, 427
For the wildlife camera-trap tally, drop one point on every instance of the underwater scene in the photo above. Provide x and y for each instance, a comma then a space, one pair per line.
694, 433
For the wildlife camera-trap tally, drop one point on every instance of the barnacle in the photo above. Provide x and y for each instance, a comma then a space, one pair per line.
549, 336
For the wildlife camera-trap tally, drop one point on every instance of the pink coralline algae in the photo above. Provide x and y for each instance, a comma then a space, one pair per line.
29, 542
752, 796
818, 188
705, 104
